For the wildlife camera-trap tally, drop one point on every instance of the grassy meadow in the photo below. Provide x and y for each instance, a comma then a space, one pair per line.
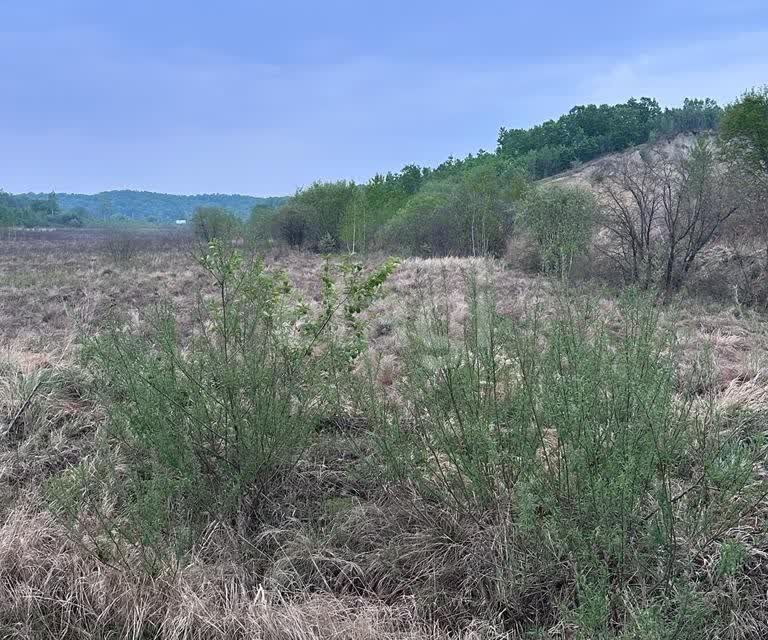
220, 446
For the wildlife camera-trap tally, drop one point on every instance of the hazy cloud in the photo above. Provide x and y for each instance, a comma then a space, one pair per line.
90, 104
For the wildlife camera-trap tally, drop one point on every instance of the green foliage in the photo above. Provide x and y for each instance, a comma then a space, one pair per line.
572, 428
291, 223
744, 131
560, 221
424, 224
355, 226
327, 244
162, 207
467, 218
582, 134
694, 116
39, 212
346, 292
413, 209
214, 223
588, 131
202, 428
259, 229
326, 204
316, 217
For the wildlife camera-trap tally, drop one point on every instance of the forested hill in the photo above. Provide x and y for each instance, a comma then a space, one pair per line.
344, 212
151, 206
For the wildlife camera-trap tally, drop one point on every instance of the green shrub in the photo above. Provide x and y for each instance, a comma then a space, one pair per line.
259, 229
449, 219
326, 244
214, 223
291, 223
560, 221
203, 429
574, 429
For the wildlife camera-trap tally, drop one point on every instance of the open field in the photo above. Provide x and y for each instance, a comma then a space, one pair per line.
356, 538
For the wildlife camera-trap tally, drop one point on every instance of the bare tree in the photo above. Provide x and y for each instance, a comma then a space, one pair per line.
631, 206
660, 210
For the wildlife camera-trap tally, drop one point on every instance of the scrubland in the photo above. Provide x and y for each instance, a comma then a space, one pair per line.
445, 448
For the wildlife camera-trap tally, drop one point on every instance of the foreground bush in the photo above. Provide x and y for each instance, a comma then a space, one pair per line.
202, 430
551, 476
574, 440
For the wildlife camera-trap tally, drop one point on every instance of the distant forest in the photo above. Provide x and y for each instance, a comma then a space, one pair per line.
145, 205
346, 212
470, 202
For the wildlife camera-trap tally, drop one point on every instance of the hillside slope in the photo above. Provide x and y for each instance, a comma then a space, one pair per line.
584, 175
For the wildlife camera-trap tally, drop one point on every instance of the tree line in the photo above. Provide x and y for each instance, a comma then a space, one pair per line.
589, 131
24, 211
658, 208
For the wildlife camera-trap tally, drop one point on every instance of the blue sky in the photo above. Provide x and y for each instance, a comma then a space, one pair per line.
263, 97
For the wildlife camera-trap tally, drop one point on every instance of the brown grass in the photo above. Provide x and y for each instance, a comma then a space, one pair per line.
50, 588
346, 555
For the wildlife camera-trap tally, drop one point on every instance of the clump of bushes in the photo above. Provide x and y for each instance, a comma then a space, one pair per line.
560, 221
574, 440
449, 219
202, 430
121, 244
214, 223
554, 471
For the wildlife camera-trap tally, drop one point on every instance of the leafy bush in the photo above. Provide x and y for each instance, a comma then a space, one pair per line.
744, 131
203, 430
291, 223
259, 230
326, 244
575, 431
448, 219
328, 203
560, 220
214, 223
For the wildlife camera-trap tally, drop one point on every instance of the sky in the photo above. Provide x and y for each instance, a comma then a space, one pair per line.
261, 98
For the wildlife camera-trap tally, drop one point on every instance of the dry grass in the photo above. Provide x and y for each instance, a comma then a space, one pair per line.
50, 588
346, 556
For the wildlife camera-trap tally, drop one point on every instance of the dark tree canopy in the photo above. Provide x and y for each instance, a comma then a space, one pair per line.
588, 131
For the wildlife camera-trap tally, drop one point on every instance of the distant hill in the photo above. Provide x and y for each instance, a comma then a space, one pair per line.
151, 206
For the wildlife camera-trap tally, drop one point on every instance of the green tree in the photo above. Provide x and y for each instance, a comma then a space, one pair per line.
487, 196
105, 209
588, 131
697, 200
354, 226
694, 116
329, 202
744, 132
214, 223
292, 221
450, 218
560, 221
260, 225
